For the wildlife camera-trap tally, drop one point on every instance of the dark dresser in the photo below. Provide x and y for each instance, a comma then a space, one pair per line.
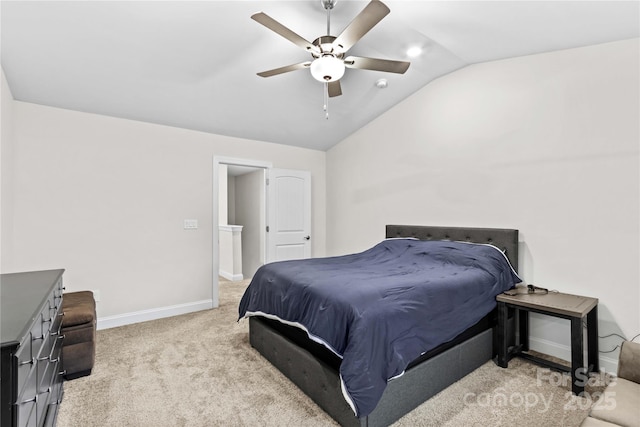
30, 324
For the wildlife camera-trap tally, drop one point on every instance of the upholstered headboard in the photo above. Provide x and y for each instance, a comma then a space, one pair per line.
504, 238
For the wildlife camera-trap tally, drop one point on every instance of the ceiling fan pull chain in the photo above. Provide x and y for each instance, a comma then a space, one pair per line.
325, 90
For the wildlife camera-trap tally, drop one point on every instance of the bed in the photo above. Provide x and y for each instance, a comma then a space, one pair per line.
314, 360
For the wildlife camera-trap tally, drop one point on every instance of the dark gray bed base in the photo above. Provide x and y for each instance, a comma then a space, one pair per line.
322, 383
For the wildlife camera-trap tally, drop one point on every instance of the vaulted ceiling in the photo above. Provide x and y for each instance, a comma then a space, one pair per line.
193, 64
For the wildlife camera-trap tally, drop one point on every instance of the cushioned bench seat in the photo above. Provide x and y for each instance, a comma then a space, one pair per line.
619, 405
79, 329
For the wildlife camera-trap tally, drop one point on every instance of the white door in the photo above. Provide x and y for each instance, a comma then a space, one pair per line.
289, 215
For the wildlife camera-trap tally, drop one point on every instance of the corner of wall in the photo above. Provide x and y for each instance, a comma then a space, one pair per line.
6, 170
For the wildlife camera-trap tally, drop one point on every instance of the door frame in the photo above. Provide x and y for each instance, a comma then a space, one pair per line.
215, 232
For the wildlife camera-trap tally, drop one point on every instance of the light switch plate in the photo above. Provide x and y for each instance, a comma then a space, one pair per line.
190, 224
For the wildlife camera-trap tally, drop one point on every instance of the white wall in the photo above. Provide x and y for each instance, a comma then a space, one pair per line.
6, 169
231, 197
230, 250
547, 144
105, 198
223, 195
250, 202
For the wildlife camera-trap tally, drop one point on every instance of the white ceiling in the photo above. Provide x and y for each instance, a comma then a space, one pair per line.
193, 64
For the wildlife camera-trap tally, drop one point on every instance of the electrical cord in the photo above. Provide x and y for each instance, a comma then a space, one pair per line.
617, 346
530, 289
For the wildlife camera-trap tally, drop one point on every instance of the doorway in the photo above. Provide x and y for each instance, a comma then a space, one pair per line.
246, 205
282, 225
227, 209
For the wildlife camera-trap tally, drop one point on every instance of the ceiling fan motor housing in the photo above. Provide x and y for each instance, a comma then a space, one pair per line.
328, 4
325, 43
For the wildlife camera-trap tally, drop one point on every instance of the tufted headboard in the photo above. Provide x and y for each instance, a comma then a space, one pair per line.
504, 238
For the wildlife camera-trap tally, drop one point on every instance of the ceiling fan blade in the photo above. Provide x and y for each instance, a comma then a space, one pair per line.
375, 64
361, 24
285, 32
285, 69
335, 89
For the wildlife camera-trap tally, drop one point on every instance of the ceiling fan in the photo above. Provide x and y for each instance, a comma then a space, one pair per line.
328, 52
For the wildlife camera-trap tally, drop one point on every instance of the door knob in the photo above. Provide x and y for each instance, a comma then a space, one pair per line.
307, 237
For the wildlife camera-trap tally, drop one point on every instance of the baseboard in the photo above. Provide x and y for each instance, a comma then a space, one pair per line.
607, 364
232, 277
152, 314
551, 348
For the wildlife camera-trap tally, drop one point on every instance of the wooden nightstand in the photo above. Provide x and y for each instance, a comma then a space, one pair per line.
575, 308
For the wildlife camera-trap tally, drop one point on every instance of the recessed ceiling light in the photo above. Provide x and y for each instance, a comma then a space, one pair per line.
414, 51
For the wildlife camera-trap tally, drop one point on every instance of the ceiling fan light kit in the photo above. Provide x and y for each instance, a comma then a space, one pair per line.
328, 52
327, 68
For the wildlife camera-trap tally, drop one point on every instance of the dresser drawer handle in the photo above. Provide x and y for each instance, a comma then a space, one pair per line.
28, 362
62, 372
33, 399
53, 350
57, 359
42, 358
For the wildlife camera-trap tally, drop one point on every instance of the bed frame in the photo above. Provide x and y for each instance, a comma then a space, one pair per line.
320, 380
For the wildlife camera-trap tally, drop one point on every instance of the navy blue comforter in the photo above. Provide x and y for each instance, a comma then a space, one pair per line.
384, 307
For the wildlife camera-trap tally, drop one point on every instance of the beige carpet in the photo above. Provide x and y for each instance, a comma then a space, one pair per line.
199, 370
